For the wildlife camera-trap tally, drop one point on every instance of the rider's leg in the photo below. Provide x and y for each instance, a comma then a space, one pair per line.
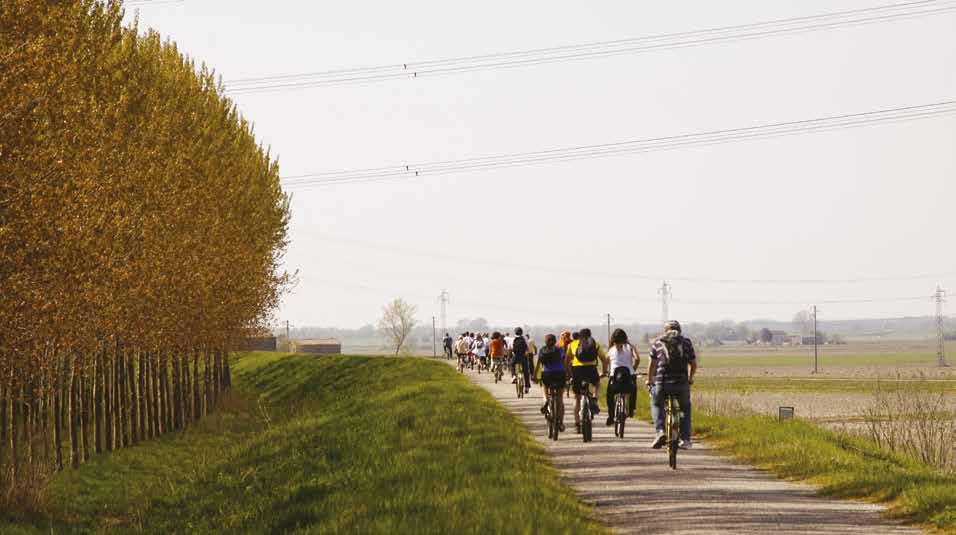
632, 397
526, 370
609, 398
657, 407
561, 406
685, 409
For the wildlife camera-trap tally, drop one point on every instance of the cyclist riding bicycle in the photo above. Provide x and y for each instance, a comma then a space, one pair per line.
497, 349
673, 364
520, 357
479, 348
624, 361
554, 375
582, 358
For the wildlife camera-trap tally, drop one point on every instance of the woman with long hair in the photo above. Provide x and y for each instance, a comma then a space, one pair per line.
624, 361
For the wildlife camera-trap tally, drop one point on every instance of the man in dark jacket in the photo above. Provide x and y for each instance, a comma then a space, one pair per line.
671, 371
519, 352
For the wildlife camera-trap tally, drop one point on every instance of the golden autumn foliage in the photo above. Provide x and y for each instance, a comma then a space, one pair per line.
141, 228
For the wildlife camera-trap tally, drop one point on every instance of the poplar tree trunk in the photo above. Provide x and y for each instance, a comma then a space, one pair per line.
84, 418
107, 378
3, 419
58, 414
207, 380
197, 400
154, 427
12, 431
177, 394
187, 389
98, 402
74, 417
133, 398
142, 396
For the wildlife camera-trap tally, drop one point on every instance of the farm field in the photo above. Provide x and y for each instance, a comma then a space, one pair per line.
325, 444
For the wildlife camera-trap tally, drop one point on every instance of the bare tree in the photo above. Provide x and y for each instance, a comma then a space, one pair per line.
398, 319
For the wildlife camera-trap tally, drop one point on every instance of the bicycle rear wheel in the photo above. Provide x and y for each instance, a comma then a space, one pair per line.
553, 410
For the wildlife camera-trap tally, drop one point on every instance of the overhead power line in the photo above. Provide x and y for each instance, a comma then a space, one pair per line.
584, 51
604, 150
481, 261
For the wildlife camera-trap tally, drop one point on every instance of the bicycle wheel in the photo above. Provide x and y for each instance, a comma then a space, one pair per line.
672, 434
553, 411
586, 418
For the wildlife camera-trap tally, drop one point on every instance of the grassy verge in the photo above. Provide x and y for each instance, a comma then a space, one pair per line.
328, 444
804, 384
841, 466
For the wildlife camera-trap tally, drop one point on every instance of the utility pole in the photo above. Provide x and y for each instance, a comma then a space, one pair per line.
443, 298
813, 311
288, 340
434, 339
940, 297
609, 329
665, 291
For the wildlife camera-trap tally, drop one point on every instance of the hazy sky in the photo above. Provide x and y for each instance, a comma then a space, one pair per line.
859, 203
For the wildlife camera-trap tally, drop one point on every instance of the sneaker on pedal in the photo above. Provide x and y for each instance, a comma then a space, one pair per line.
595, 408
684, 444
514, 379
544, 408
609, 422
659, 441
561, 426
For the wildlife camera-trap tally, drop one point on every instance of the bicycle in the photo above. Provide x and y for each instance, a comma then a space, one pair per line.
621, 408
671, 425
586, 415
552, 414
519, 379
620, 413
497, 369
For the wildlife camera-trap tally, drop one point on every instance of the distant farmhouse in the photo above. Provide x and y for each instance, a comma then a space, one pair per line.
327, 346
262, 342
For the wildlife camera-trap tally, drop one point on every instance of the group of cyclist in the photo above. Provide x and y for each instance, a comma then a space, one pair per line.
573, 358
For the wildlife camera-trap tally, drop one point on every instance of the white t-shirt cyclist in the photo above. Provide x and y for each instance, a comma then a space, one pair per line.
621, 358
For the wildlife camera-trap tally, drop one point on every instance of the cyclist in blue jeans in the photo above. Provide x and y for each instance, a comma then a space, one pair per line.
671, 371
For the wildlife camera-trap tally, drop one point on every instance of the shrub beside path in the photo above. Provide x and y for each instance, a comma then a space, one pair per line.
634, 491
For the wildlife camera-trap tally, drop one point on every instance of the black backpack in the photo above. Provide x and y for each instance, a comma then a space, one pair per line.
673, 358
587, 350
519, 347
549, 356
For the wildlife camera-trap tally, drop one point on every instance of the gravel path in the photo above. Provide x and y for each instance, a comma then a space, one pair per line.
634, 491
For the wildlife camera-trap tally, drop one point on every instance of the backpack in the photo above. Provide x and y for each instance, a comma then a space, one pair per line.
519, 347
673, 358
549, 356
586, 350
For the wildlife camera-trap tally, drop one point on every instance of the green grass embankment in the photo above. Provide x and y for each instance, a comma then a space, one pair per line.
328, 444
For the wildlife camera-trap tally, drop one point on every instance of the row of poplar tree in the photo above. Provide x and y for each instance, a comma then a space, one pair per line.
141, 231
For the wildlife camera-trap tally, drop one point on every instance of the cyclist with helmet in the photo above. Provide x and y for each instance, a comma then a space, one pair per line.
624, 361
582, 358
673, 364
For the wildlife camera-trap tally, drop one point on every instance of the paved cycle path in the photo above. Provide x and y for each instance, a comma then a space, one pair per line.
634, 491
